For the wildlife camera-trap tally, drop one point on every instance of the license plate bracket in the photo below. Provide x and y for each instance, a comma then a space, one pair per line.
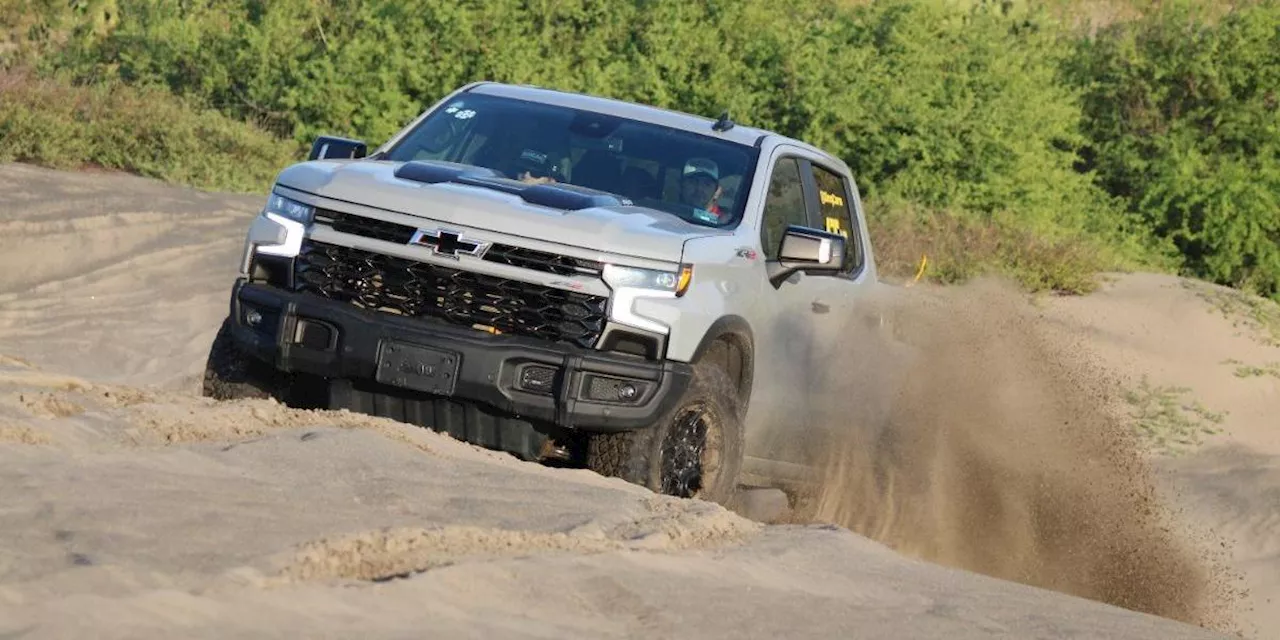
413, 366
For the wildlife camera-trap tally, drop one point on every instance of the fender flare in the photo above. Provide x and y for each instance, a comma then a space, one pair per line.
738, 331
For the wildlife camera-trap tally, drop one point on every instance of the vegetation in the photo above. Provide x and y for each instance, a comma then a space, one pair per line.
1258, 317
145, 131
1183, 115
1168, 424
1254, 371
1014, 136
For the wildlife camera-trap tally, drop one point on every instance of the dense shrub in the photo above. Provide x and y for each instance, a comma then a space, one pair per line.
1036, 141
1183, 119
947, 109
936, 106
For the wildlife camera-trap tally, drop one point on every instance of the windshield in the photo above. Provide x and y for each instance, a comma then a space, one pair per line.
693, 176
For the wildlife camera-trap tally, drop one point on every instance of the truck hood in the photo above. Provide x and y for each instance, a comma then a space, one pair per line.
602, 225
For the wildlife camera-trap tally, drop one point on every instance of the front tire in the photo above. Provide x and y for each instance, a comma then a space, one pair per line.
694, 450
231, 374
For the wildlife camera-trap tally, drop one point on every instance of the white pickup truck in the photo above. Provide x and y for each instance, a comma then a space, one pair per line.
564, 277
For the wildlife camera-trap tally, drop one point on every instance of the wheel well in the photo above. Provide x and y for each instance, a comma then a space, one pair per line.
732, 353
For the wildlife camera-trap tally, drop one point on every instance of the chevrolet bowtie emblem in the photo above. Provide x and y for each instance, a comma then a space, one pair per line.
449, 244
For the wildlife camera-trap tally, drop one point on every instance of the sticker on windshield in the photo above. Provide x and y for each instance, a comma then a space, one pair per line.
456, 110
830, 198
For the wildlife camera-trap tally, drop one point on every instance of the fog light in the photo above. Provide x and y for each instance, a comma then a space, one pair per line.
608, 389
252, 318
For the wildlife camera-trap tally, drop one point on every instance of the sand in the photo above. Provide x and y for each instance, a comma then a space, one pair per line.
1220, 366
133, 508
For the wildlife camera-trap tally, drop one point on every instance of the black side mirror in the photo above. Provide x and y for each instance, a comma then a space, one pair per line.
326, 147
808, 250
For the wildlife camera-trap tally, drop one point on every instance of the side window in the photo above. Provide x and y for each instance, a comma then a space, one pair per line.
783, 206
836, 207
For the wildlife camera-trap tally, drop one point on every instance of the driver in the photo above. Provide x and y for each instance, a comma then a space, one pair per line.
700, 188
536, 167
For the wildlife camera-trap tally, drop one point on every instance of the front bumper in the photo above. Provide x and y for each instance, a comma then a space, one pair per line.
562, 385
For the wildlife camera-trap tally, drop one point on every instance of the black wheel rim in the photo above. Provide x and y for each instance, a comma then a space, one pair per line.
682, 453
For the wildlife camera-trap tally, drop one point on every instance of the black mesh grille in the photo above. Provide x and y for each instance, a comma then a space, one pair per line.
605, 388
538, 376
366, 227
500, 253
537, 379
416, 289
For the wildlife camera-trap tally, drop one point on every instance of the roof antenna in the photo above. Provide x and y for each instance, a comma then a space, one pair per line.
723, 124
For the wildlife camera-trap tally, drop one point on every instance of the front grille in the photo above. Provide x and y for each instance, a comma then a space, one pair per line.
500, 253
366, 227
417, 289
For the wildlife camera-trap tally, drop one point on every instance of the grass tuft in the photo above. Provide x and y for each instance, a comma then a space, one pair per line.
1243, 370
1259, 316
1168, 423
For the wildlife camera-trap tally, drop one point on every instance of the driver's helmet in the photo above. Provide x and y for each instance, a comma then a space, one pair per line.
538, 164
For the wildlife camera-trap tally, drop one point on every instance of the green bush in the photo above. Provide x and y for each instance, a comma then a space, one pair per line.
936, 106
939, 107
1151, 141
1182, 112
142, 131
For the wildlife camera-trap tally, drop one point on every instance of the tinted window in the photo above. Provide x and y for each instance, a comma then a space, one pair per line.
693, 176
836, 209
783, 206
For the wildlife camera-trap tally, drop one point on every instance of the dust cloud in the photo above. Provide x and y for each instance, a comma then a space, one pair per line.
980, 438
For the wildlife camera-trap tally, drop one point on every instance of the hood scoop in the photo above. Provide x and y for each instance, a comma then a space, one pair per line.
565, 197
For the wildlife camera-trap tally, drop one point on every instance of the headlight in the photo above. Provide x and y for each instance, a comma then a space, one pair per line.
281, 227
290, 209
674, 282
630, 284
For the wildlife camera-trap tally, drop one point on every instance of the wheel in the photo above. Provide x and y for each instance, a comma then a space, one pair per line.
693, 451
230, 374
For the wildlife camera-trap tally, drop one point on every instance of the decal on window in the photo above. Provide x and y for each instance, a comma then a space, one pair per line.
830, 198
835, 225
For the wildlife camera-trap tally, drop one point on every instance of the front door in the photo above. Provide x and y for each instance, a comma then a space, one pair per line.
852, 386
786, 333
813, 368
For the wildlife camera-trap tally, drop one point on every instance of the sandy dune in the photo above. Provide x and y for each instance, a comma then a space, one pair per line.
132, 508
1207, 347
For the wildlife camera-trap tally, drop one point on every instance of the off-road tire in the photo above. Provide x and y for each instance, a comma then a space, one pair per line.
661, 456
231, 374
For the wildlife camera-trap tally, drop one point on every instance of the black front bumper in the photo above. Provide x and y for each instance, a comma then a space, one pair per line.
531, 379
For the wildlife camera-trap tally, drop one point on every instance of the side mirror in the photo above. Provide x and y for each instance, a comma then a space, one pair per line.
808, 250
326, 147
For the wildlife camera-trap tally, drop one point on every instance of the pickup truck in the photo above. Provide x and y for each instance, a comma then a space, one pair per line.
574, 280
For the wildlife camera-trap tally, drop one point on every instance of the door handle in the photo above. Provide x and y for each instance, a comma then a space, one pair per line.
820, 307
